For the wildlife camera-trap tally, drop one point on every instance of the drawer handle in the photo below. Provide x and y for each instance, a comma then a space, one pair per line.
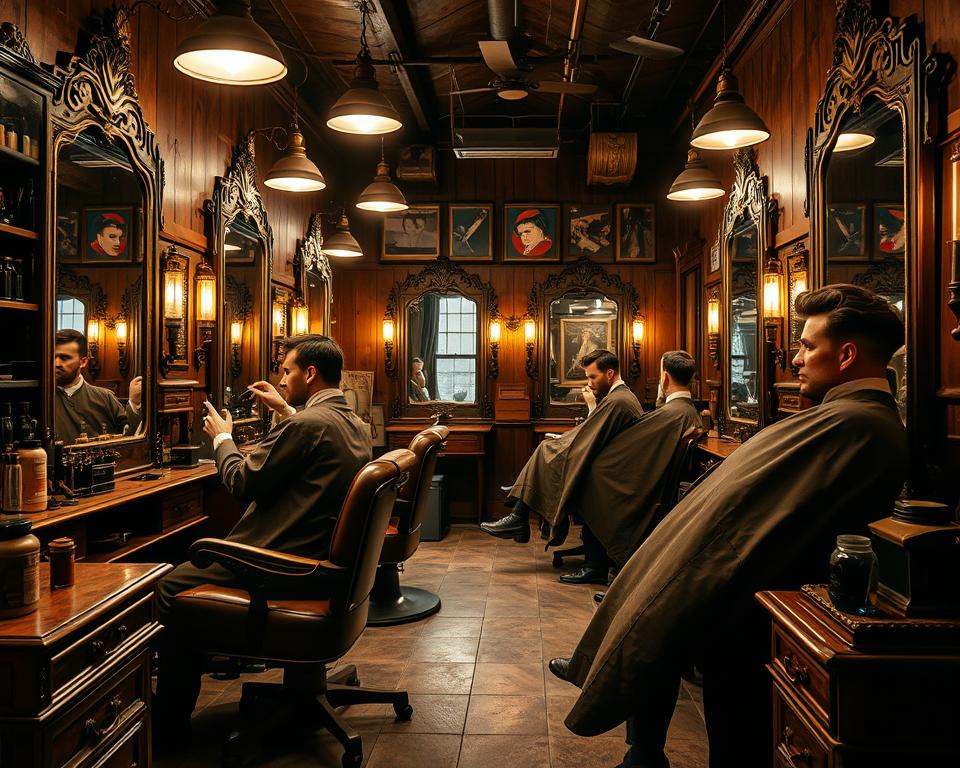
803, 757
95, 732
98, 648
797, 673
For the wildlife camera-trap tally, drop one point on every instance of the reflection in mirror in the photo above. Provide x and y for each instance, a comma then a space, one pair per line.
866, 217
318, 303
442, 343
242, 310
744, 323
99, 312
579, 323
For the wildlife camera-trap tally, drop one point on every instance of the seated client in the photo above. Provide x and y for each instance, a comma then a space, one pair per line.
295, 480
767, 518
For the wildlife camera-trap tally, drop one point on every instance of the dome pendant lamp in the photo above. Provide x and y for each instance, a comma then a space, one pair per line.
363, 109
230, 48
295, 172
381, 194
342, 243
696, 181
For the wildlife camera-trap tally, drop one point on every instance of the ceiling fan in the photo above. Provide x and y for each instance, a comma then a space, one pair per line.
647, 48
510, 83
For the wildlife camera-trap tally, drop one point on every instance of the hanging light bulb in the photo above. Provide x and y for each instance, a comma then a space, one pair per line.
851, 140
342, 243
295, 172
231, 48
730, 123
696, 181
381, 194
363, 109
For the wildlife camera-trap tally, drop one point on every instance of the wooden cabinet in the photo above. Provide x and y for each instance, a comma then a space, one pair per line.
76, 672
859, 692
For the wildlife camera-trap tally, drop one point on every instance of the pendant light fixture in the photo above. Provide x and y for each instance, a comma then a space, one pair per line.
848, 141
381, 194
295, 172
363, 109
231, 48
696, 181
342, 243
730, 123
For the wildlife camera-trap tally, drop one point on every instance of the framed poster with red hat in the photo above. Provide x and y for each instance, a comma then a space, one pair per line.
531, 232
107, 235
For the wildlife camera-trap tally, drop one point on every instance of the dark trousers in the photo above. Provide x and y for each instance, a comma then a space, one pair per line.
647, 728
594, 554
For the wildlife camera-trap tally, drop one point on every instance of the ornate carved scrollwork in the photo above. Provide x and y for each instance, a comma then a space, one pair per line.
235, 194
444, 275
11, 37
310, 250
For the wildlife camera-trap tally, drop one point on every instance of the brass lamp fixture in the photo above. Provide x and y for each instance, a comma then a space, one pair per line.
530, 340
493, 366
120, 333
342, 243
300, 317
382, 195
294, 171
363, 109
639, 323
390, 365
713, 325
696, 181
281, 305
730, 123
93, 347
173, 270
230, 48
236, 340
205, 283
772, 311
848, 141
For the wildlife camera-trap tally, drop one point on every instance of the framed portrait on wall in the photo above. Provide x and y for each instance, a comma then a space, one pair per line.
889, 232
413, 234
108, 235
471, 231
636, 235
715, 257
589, 232
530, 232
846, 225
578, 337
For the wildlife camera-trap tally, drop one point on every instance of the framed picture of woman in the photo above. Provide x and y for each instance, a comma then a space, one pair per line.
107, 235
636, 239
530, 232
890, 234
413, 234
589, 232
579, 337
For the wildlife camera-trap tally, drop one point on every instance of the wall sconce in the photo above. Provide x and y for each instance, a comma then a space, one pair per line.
772, 312
390, 365
281, 303
120, 331
236, 339
205, 281
493, 367
173, 270
93, 347
953, 287
638, 328
301, 317
713, 326
529, 339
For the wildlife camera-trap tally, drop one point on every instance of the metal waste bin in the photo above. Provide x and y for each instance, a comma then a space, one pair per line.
436, 520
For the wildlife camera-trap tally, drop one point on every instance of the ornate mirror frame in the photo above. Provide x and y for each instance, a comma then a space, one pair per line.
95, 88
311, 266
236, 196
749, 199
443, 276
887, 60
581, 275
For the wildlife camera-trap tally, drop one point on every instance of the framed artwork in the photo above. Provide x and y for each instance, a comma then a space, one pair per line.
377, 431
471, 231
636, 236
743, 244
715, 257
413, 234
889, 232
357, 388
589, 232
846, 223
797, 280
107, 235
530, 232
578, 337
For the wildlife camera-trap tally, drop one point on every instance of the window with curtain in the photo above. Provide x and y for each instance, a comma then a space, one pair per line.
456, 360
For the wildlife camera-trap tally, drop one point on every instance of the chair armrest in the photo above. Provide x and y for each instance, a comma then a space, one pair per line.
263, 566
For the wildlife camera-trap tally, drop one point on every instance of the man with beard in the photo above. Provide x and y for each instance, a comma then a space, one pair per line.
295, 480
767, 518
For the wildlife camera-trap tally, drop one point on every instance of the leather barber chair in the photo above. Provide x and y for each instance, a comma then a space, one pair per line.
389, 602
300, 614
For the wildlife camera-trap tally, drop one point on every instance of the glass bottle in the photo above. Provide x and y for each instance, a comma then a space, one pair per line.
853, 575
9, 279
6, 424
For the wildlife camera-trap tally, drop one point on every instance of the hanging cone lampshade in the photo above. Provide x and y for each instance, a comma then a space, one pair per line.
730, 123
363, 109
231, 48
381, 194
342, 243
696, 181
295, 172
848, 141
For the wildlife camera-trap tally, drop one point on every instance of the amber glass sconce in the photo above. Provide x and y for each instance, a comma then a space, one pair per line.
93, 347
301, 317
205, 283
713, 326
236, 340
953, 287
638, 329
120, 332
279, 324
772, 311
173, 270
493, 366
390, 364
530, 340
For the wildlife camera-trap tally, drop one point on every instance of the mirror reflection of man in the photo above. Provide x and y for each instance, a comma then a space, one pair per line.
417, 386
82, 408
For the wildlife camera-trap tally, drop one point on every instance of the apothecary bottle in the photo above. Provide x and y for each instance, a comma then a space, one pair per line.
853, 574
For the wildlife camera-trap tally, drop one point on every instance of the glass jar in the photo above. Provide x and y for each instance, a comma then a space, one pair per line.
853, 575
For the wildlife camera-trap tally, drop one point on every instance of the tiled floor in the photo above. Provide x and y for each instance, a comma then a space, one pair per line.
476, 673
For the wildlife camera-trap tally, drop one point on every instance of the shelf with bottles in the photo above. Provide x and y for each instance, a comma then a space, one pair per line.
19, 384
27, 234
15, 156
16, 282
22, 306
18, 206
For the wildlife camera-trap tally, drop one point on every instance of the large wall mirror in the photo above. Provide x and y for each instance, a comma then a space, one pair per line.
442, 316
579, 310
744, 238
242, 242
106, 179
314, 279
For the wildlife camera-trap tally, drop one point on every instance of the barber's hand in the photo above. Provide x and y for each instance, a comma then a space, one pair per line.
589, 397
136, 391
214, 423
267, 394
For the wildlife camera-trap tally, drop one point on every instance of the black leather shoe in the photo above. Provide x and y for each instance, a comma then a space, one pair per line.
586, 576
560, 667
513, 526
598, 597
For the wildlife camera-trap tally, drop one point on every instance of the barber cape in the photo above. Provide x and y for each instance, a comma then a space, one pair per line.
92, 410
619, 498
549, 481
767, 518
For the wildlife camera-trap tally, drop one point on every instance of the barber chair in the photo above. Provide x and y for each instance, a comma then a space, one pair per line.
300, 614
389, 602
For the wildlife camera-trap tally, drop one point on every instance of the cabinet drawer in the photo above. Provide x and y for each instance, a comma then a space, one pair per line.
129, 751
109, 640
464, 443
180, 506
797, 745
803, 676
176, 398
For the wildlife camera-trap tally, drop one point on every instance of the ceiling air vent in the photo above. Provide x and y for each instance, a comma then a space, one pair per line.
479, 143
